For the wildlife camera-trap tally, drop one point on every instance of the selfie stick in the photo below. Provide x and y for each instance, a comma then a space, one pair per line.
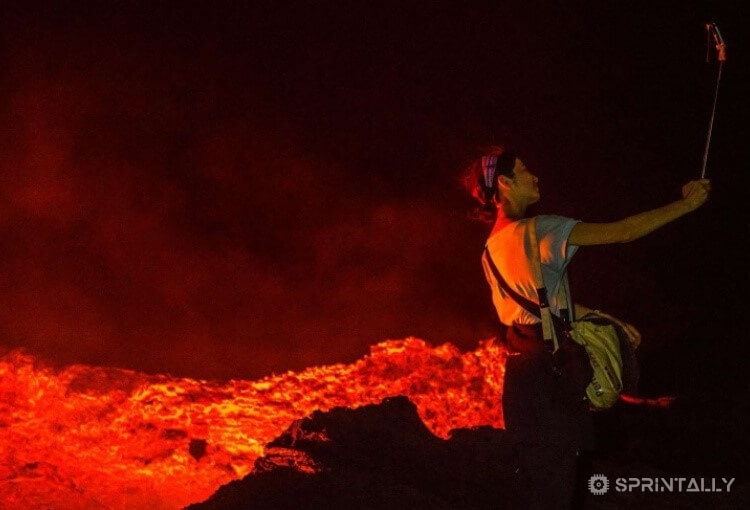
721, 55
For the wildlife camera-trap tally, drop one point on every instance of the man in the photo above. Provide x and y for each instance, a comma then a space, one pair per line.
548, 417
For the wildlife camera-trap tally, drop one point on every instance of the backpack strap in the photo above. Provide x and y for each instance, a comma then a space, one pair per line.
524, 303
564, 301
548, 330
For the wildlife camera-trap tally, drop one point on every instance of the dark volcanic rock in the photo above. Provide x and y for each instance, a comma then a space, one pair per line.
383, 457
376, 457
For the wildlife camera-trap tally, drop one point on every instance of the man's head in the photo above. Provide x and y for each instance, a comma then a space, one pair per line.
500, 176
521, 188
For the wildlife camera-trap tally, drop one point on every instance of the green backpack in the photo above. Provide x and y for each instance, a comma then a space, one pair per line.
602, 344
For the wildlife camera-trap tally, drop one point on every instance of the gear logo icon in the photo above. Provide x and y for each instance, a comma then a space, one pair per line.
598, 484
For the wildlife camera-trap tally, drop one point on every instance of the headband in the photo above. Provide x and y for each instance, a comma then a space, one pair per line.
489, 166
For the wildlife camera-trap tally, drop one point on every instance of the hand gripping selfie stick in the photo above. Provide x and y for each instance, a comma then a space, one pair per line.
721, 55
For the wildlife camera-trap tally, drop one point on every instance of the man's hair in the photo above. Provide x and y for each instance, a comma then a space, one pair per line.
483, 190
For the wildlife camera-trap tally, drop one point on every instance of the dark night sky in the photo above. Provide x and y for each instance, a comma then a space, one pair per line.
234, 190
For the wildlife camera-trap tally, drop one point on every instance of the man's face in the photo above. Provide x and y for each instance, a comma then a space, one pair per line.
524, 184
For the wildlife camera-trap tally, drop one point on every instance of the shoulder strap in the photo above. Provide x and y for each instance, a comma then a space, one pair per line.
548, 330
564, 301
524, 303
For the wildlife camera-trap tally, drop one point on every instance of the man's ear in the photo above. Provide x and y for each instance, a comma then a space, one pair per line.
503, 181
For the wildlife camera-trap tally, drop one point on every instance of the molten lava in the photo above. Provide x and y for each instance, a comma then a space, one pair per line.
93, 437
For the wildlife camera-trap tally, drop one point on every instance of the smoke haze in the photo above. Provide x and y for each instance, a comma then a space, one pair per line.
247, 190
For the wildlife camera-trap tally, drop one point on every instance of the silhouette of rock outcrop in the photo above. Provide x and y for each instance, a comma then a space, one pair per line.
376, 457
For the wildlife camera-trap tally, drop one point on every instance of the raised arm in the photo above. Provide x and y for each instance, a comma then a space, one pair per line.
694, 194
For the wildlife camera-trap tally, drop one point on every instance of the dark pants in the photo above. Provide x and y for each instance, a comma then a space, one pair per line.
547, 416
547, 475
